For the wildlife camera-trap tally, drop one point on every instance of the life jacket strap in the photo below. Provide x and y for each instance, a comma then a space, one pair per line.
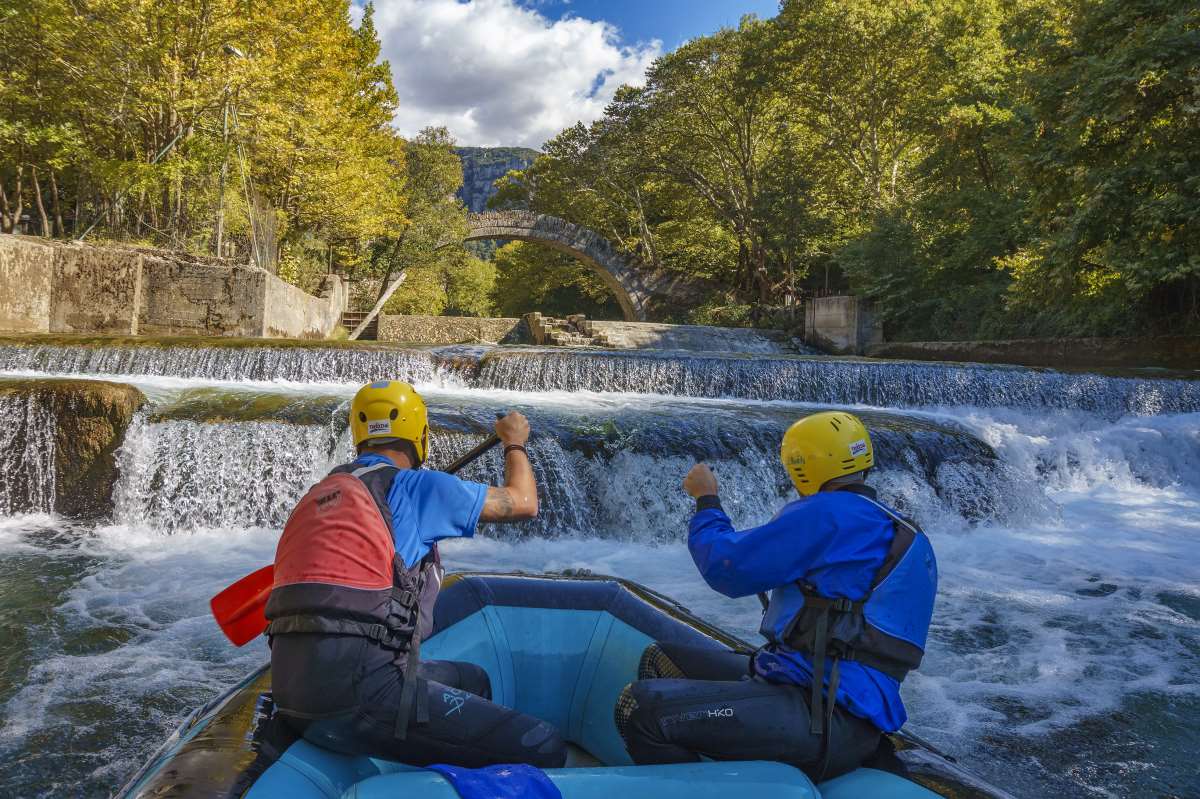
326, 625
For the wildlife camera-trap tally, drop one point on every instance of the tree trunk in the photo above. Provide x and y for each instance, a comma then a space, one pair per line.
41, 207
78, 204
383, 298
58, 218
387, 280
19, 205
5, 224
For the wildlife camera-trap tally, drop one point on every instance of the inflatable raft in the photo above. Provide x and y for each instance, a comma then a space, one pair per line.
557, 647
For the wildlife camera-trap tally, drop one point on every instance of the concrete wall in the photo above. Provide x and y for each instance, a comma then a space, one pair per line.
450, 329
842, 325
96, 290
1167, 352
291, 313
26, 272
184, 298
58, 287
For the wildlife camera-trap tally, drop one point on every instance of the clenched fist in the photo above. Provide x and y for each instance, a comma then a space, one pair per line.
700, 481
512, 428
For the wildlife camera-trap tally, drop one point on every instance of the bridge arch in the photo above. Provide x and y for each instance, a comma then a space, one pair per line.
625, 275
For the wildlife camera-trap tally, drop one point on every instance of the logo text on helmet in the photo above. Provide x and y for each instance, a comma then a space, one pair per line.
381, 384
378, 426
858, 448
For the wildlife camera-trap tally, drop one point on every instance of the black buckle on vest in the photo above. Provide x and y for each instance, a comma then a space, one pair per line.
843, 605
405, 597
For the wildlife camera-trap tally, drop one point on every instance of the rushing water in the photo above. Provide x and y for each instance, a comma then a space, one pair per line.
1064, 509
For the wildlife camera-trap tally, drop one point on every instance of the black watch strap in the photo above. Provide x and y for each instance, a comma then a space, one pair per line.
511, 447
707, 502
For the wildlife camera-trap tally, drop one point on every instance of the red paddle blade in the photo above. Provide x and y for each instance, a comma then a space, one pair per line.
241, 608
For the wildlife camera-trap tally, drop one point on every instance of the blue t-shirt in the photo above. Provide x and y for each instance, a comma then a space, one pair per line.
428, 506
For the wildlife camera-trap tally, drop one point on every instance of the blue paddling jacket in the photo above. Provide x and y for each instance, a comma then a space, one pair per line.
852, 587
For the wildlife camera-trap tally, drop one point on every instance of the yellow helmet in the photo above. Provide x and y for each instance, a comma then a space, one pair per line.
390, 410
823, 446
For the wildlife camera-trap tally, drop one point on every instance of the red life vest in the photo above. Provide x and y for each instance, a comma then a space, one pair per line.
337, 571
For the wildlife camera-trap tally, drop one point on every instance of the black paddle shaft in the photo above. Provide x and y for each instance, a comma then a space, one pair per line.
481, 448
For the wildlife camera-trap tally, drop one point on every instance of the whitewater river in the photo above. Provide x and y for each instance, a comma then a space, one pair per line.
1065, 510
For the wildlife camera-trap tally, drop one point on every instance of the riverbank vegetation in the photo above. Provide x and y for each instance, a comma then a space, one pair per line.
980, 169
264, 126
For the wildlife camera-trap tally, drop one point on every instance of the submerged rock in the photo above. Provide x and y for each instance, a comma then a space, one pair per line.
59, 442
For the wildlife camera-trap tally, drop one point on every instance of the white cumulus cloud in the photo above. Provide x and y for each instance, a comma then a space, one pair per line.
496, 73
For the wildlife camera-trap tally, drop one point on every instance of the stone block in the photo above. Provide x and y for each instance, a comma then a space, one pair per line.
26, 275
843, 325
452, 329
96, 290
182, 298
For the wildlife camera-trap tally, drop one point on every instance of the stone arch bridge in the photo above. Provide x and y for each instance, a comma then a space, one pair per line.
643, 292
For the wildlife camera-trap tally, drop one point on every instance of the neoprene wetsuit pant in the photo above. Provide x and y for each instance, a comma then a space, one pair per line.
342, 693
700, 702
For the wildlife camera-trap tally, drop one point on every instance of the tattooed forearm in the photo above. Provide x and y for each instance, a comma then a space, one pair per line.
499, 505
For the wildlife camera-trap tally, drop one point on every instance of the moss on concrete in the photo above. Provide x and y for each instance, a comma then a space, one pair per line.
214, 405
187, 342
91, 417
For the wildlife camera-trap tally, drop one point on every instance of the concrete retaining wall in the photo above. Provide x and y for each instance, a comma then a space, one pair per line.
842, 325
292, 313
58, 287
1167, 352
26, 272
196, 299
451, 329
95, 290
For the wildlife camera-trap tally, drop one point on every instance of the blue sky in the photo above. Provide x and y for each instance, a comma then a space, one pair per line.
671, 21
516, 72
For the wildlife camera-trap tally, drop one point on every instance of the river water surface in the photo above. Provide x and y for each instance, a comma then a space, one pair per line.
1065, 510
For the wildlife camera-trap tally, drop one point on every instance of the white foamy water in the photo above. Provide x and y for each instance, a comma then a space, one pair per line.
1063, 659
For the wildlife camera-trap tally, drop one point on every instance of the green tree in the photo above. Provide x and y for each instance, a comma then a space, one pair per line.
127, 111
1110, 91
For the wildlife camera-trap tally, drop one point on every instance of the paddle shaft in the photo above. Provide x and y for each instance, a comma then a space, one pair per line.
483, 447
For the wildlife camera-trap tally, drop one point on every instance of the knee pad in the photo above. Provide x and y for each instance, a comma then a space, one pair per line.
656, 663
544, 746
626, 706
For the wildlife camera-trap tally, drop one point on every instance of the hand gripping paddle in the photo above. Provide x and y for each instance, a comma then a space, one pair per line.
241, 608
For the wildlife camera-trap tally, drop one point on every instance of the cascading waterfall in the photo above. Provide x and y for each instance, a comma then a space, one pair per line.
186, 475
837, 382
296, 364
895, 384
619, 481
27, 426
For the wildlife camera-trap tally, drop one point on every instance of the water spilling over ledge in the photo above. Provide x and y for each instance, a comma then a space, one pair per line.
57, 444
831, 381
240, 459
835, 381
294, 364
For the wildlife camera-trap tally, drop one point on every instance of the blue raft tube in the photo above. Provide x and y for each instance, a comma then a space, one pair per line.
557, 647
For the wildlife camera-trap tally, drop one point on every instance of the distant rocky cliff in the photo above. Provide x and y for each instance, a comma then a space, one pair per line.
483, 165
